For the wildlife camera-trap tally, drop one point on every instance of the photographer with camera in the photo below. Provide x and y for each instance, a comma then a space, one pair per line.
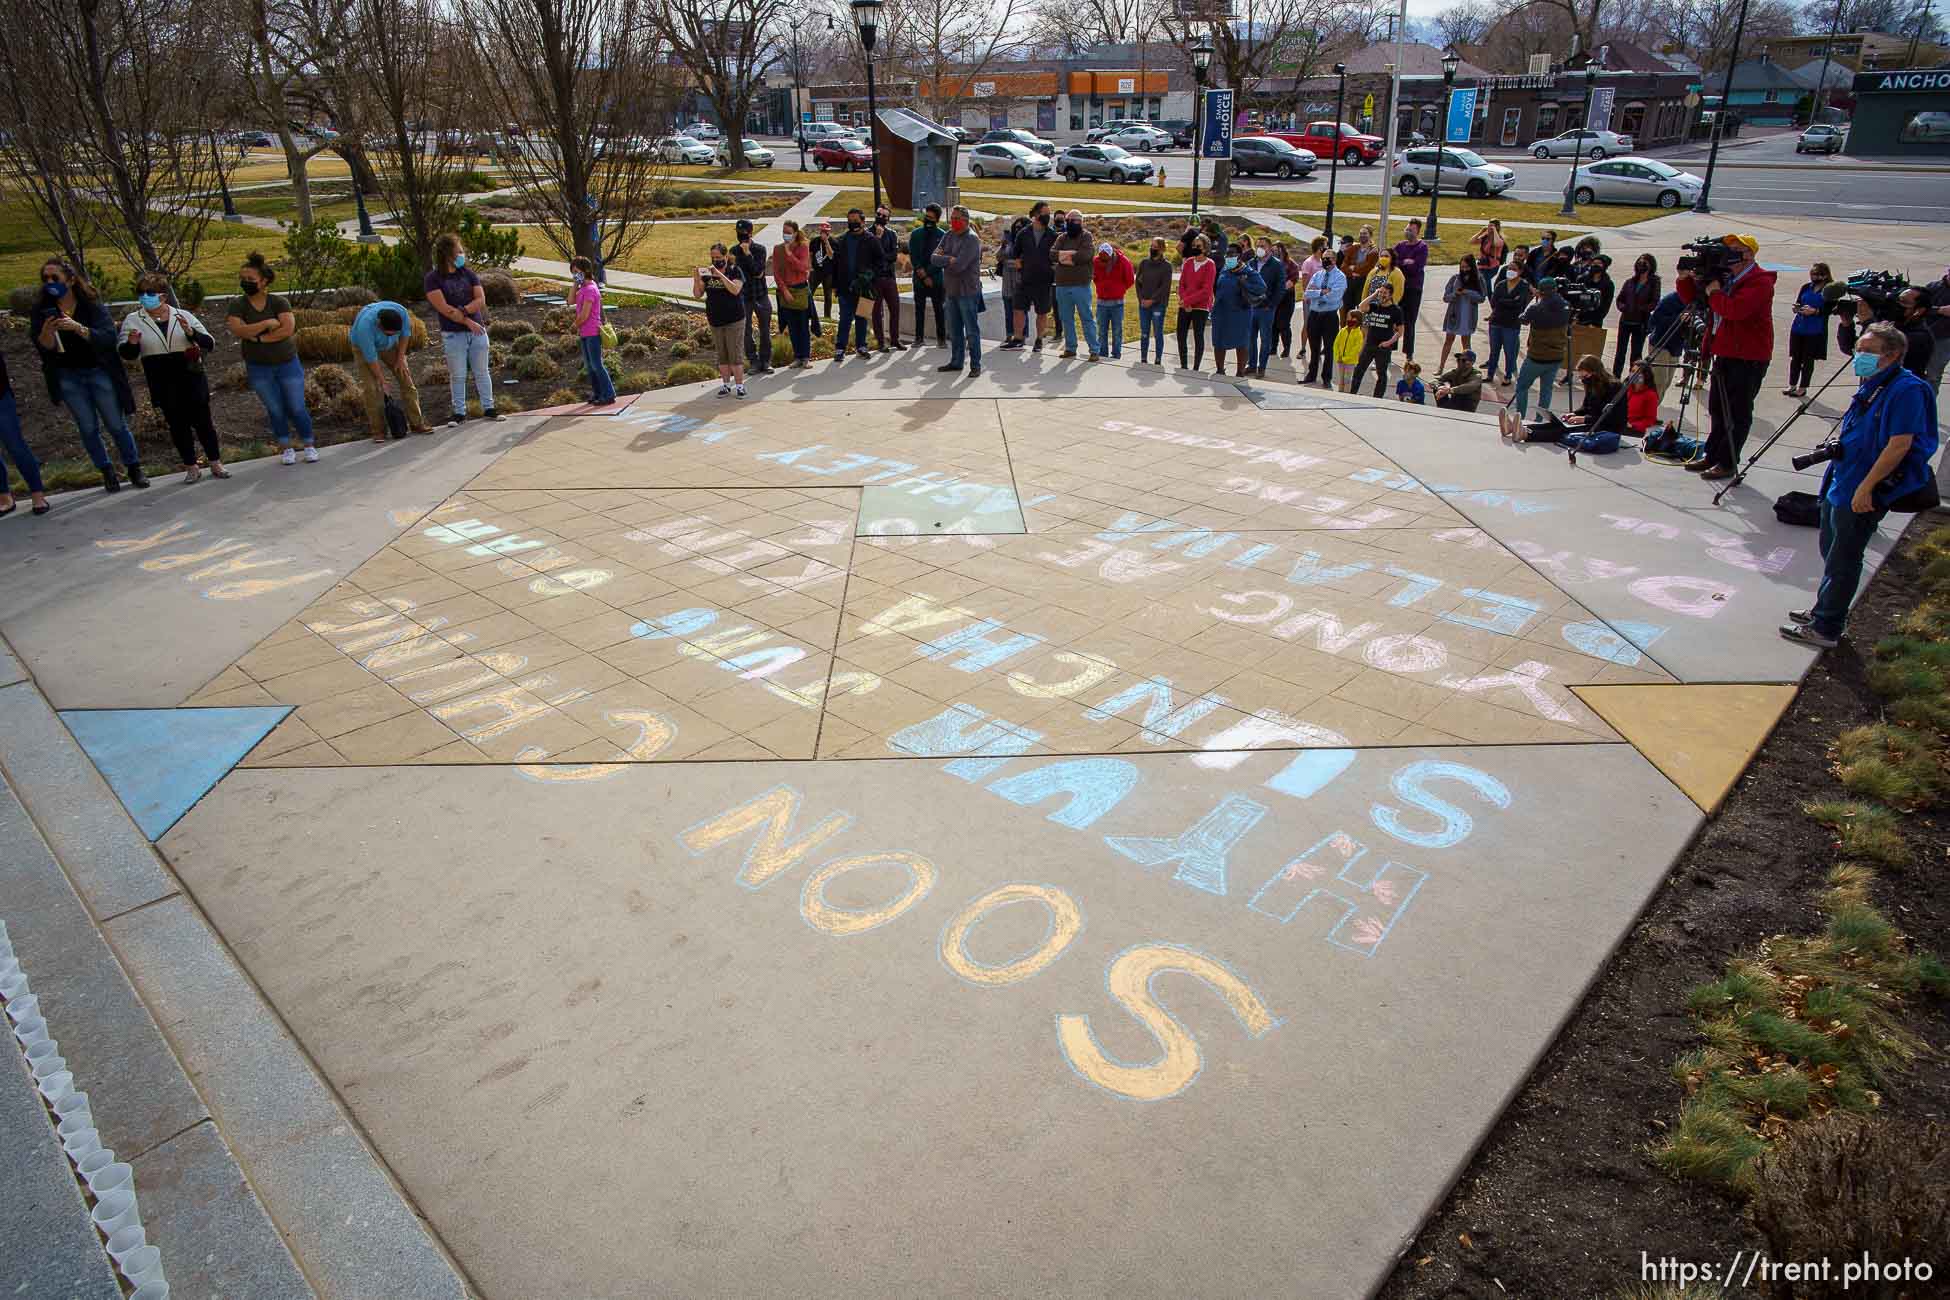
1939, 291
1878, 461
1920, 342
1740, 294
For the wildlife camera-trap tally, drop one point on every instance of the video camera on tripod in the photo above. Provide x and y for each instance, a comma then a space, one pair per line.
1879, 289
1706, 259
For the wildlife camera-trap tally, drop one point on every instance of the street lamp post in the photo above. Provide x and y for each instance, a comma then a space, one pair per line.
1577, 146
1201, 62
367, 235
1450, 59
1334, 164
1720, 118
866, 13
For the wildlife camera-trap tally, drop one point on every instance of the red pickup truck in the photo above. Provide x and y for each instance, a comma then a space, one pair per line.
1326, 139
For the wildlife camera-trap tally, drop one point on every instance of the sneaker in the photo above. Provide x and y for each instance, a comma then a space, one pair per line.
899, 346
974, 372
1038, 347
311, 455
192, 474
1808, 635
1065, 356
945, 369
740, 390
1093, 356
459, 418
494, 415
1801, 616
724, 390
289, 456
862, 352
111, 482
1011, 345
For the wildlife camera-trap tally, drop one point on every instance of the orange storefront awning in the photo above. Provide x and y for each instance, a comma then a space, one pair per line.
1108, 84
996, 85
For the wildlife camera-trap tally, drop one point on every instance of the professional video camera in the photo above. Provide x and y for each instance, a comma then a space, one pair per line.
1877, 288
1705, 258
1580, 297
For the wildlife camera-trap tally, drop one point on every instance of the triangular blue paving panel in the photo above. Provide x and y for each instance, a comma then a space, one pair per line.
160, 762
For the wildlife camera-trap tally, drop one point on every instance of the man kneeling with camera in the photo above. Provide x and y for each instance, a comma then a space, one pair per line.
1879, 461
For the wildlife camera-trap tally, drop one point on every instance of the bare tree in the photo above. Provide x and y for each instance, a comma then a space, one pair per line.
1463, 24
1896, 17
34, 136
586, 88
728, 45
1076, 25
412, 68
1581, 17
293, 61
952, 43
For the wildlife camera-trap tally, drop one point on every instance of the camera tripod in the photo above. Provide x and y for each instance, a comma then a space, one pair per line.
1740, 474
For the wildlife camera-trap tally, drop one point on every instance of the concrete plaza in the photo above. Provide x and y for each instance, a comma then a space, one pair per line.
1089, 829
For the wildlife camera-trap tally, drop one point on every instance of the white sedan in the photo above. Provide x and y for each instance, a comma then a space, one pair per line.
756, 154
684, 149
1637, 180
1139, 138
1588, 144
1006, 158
702, 131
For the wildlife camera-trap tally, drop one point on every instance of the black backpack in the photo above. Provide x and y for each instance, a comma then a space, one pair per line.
1800, 508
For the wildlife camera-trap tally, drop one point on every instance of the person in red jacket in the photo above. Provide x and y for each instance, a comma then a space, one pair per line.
1742, 302
1113, 275
1641, 400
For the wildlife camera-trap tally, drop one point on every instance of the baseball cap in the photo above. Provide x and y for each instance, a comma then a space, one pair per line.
1751, 244
1547, 282
744, 226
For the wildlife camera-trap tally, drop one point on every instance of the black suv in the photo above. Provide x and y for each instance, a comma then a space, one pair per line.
1181, 131
1027, 139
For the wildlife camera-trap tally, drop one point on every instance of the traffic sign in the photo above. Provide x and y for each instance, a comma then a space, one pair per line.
1367, 105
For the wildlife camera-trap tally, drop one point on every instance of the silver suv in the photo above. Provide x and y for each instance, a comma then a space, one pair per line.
1101, 162
1462, 169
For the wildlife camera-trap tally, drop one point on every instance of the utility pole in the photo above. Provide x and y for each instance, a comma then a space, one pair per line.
1922, 24
1394, 118
1827, 53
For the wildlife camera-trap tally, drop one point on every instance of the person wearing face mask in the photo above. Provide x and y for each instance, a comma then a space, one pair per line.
1637, 298
380, 334
1358, 261
1919, 343
792, 273
454, 292
1508, 298
1036, 272
1742, 343
1461, 296
1549, 318
856, 267
1071, 256
1293, 282
1383, 272
725, 307
824, 268
1808, 331
1153, 284
1884, 448
1238, 285
1537, 263
1589, 334
1008, 269
749, 261
1272, 279
171, 345
887, 289
1197, 283
76, 340
921, 243
1939, 315
1594, 427
1112, 275
589, 328
1381, 321
957, 262
263, 324
1325, 292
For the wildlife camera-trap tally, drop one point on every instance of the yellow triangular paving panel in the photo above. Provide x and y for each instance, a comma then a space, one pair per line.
1702, 737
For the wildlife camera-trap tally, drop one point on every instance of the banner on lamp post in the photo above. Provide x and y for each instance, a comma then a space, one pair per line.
1462, 113
1599, 116
1215, 126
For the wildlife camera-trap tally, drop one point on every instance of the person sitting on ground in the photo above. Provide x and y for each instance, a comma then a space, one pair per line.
1641, 400
1409, 387
1597, 415
1460, 388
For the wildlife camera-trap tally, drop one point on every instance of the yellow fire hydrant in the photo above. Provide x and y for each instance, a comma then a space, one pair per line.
1161, 175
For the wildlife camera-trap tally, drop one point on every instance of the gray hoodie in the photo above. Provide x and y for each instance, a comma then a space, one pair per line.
960, 257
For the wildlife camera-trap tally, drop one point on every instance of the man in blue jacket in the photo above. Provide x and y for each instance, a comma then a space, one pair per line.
380, 335
1883, 453
1273, 273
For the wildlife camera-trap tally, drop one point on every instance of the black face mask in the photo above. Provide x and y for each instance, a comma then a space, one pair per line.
249, 287
854, 226
718, 263
879, 219
930, 221
1074, 227
1041, 220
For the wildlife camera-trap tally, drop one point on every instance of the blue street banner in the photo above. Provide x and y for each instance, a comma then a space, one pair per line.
1599, 118
1215, 128
1462, 113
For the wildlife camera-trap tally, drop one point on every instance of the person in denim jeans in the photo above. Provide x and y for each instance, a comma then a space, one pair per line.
1070, 256
1548, 318
589, 327
457, 298
76, 340
16, 448
263, 324
1153, 294
1113, 276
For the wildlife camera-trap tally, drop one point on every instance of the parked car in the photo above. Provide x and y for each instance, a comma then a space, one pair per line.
960, 133
1111, 127
1253, 154
811, 133
1589, 144
703, 131
756, 154
684, 149
255, 140
1462, 169
1101, 162
845, 153
1007, 158
1822, 138
1028, 139
1928, 126
1637, 180
1179, 129
1141, 137
1328, 139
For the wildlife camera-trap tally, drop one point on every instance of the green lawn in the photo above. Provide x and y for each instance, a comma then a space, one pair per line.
666, 250
24, 245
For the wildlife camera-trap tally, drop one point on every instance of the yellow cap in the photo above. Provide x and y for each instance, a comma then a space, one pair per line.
1752, 245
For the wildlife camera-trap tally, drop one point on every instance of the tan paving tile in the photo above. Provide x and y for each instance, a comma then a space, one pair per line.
735, 748
535, 737
396, 740
242, 697
457, 752
294, 655
287, 735
318, 754
337, 714
228, 680
321, 683
488, 633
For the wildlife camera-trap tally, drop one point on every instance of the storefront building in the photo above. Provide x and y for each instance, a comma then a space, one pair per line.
1901, 114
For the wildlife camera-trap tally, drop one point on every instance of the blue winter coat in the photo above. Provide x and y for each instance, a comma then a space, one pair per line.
1231, 317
